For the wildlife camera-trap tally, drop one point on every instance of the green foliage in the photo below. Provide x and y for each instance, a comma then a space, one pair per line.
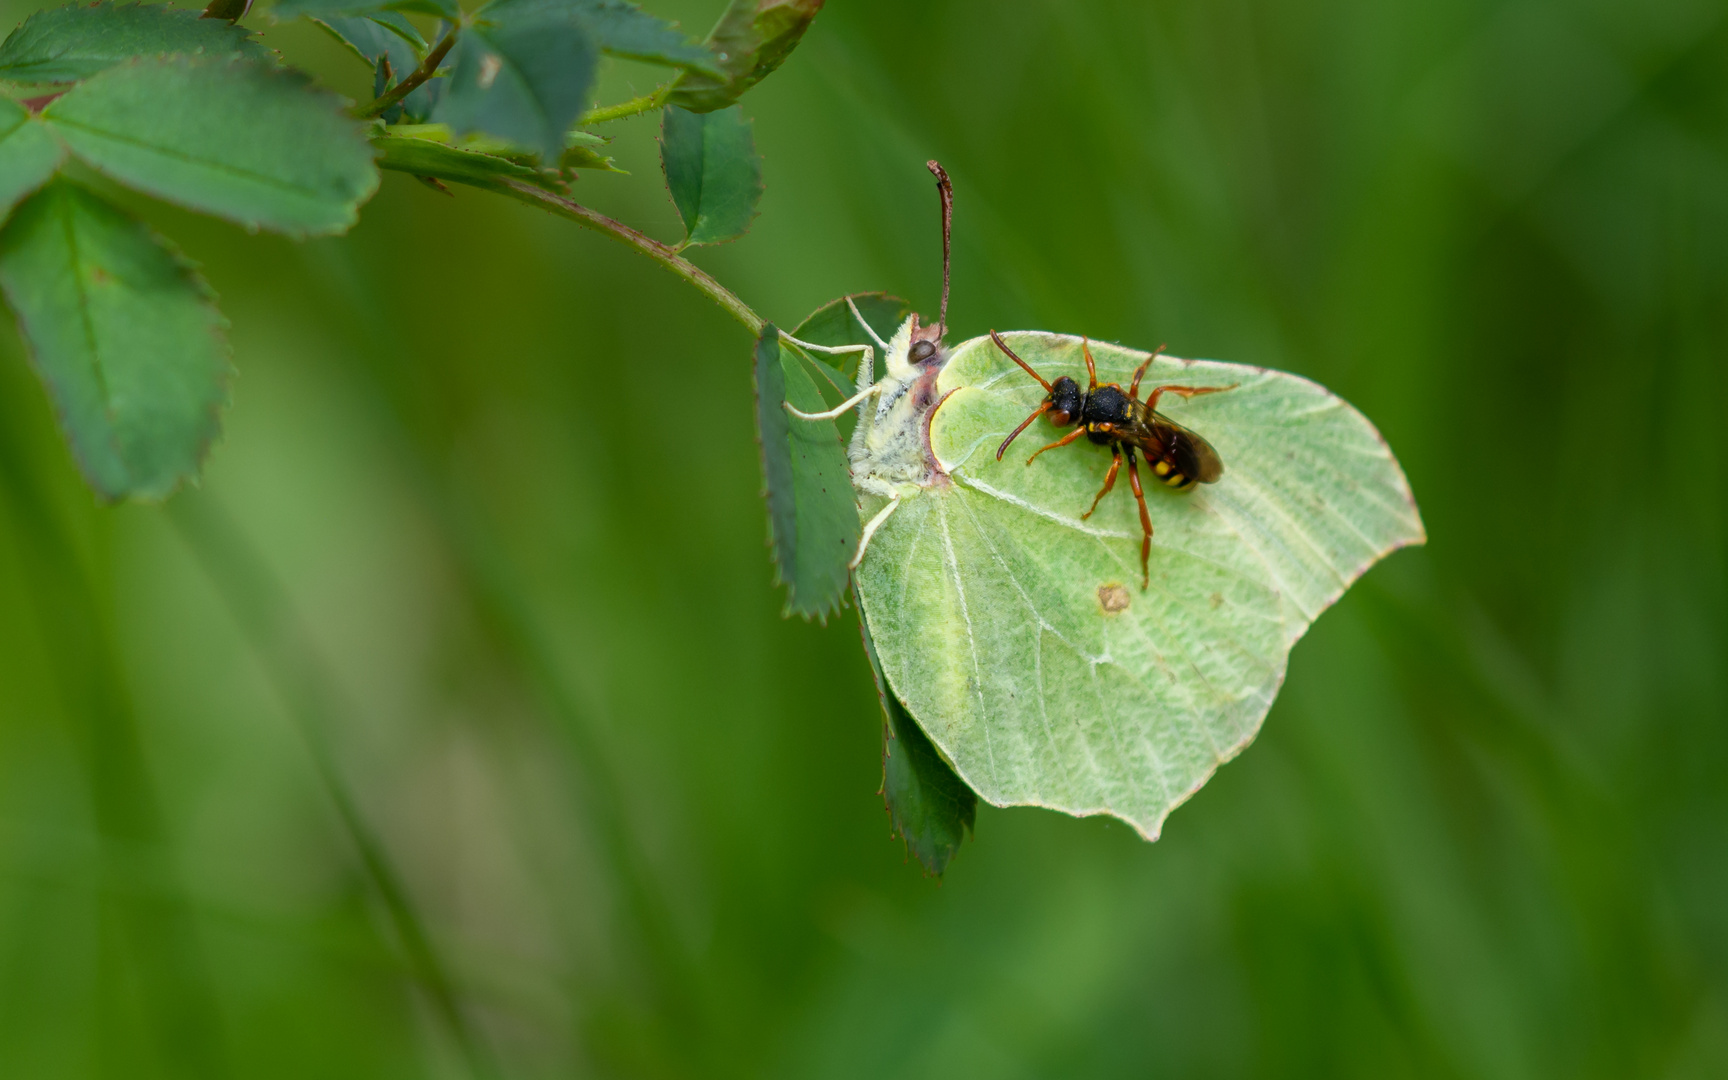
713, 172
69, 43
582, 151
521, 73
812, 515
125, 335
28, 155
932, 809
752, 38
241, 141
422, 150
326, 9
624, 29
1018, 633
382, 34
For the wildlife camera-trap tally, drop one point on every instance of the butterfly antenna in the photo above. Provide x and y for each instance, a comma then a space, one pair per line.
946, 190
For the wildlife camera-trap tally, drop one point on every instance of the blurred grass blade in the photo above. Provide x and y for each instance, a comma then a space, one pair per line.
812, 514
932, 808
261, 608
257, 146
124, 333
28, 155
69, 43
522, 73
713, 172
752, 38
151, 961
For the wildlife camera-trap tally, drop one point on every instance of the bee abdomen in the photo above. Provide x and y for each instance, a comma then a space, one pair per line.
1172, 476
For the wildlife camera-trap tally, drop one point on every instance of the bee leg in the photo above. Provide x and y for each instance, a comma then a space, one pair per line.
1145, 521
1024, 424
1109, 480
1182, 391
1134, 388
1091, 368
870, 530
1063, 441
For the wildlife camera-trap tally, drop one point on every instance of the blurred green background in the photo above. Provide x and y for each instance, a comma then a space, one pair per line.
486, 524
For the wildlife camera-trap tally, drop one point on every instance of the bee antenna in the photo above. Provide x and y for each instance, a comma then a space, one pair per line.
946, 190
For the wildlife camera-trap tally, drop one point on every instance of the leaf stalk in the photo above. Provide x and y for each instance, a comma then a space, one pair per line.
428, 68
663, 254
648, 102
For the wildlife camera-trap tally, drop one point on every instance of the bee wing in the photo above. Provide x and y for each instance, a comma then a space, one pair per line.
1189, 454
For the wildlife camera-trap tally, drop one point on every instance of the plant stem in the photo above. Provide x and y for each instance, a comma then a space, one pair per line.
428, 67
635, 106
647, 245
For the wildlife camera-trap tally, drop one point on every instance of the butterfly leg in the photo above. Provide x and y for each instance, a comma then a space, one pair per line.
1109, 480
1063, 441
836, 411
870, 530
1182, 391
1145, 521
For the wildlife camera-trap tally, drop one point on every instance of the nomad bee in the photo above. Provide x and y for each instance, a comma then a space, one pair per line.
1109, 417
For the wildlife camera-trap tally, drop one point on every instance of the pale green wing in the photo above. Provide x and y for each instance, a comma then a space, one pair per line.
1018, 634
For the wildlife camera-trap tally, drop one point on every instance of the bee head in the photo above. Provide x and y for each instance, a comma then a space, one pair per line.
1066, 400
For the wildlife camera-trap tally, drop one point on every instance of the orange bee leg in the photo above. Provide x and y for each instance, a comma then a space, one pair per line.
1134, 388
1183, 391
1024, 424
1145, 522
1063, 441
1091, 368
1109, 480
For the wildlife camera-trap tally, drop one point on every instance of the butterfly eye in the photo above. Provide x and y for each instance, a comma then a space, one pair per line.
923, 351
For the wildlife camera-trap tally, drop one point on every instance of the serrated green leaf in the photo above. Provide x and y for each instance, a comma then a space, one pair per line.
324, 9
626, 30
69, 43
28, 154
1017, 632
582, 151
522, 74
931, 808
258, 146
125, 335
385, 34
812, 513
389, 37
834, 325
752, 38
421, 155
712, 171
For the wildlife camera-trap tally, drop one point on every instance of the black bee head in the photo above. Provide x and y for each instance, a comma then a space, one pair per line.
1066, 401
